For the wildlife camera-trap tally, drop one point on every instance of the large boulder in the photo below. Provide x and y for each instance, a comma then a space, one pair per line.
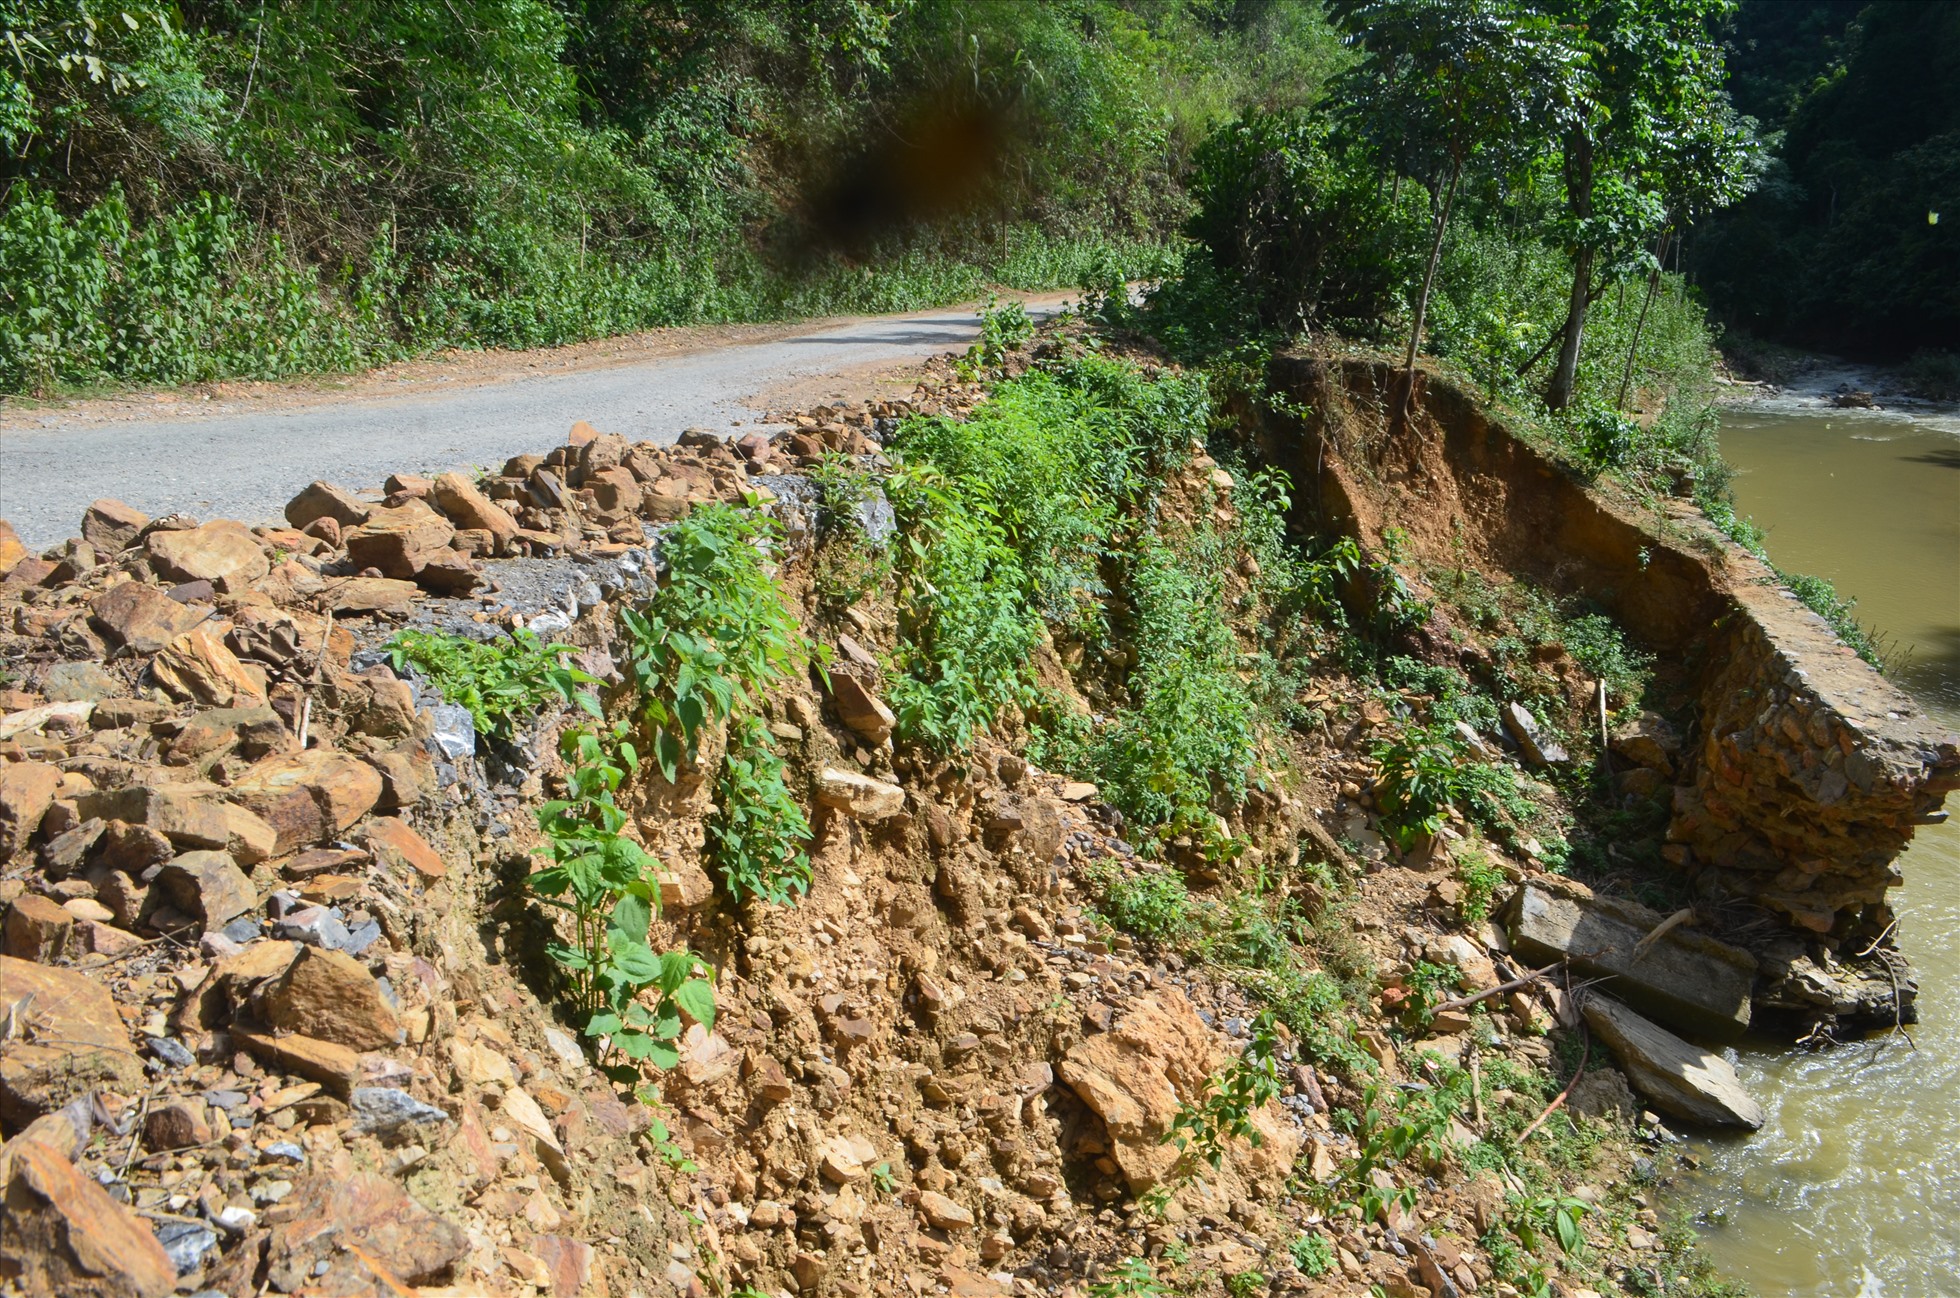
224, 553
400, 541
27, 789
468, 508
331, 996
308, 796
65, 1235
324, 500
1677, 1076
199, 666
1134, 1077
859, 709
859, 796
138, 617
78, 1041
112, 527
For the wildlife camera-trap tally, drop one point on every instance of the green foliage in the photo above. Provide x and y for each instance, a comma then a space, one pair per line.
1150, 904
503, 683
1133, 1277
604, 882
1426, 770
1837, 248
708, 648
1004, 326
1203, 1128
756, 836
1549, 1216
1312, 1253
1481, 880
848, 564
1307, 230
1244, 1284
406, 176
716, 636
966, 632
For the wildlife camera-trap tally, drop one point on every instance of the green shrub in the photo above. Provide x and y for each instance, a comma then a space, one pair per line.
1153, 905
1312, 1253
708, 648
1309, 235
502, 683
605, 882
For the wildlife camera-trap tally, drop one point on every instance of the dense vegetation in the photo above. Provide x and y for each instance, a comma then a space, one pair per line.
201, 190
1850, 241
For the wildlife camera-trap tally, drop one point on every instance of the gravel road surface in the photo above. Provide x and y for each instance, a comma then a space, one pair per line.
222, 465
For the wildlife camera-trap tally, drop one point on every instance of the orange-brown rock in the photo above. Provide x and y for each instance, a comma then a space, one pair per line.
324, 500
112, 527
334, 1066
37, 929
1135, 1076
77, 1040
11, 550
392, 841
140, 618
340, 788
186, 814
330, 996
465, 505
62, 1234
198, 666
224, 553
359, 1234
26, 790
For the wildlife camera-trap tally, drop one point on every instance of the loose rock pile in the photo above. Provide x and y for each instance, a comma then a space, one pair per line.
270, 1018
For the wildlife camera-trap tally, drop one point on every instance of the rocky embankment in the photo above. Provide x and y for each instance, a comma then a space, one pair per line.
276, 1020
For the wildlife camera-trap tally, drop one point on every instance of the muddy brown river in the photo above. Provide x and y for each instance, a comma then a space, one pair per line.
1852, 1189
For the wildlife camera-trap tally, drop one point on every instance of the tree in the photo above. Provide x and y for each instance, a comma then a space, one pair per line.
1443, 82
1644, 119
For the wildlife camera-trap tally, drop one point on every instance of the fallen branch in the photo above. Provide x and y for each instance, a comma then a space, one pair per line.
1462, 1002
1584, 1055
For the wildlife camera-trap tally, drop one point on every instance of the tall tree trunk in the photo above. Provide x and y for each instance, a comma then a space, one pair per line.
1559, 395
1578, 199
1653, 287
1428, 282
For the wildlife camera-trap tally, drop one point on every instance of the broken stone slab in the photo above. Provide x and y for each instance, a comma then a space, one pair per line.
1649, 741
308, 796
207, 886
334, 1066
1135, 1077
137, 617
359, 1234
1676, 1075
37, 929
224, 553
112, 526
183, 813
859, 796
78, 1042
65, 1235
1685, 979
199, 666
1523, 727
324, 500
331, 996
27, 790
863, 712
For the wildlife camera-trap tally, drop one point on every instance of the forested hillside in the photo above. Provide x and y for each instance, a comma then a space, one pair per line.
198, 191
219, 188
1852, 239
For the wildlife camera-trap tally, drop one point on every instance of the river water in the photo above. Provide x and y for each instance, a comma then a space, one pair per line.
1852, 1189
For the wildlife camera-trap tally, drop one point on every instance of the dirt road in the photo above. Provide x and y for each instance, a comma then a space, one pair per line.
242, 453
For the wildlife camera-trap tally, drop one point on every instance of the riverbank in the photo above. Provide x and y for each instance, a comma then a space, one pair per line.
1858, 1135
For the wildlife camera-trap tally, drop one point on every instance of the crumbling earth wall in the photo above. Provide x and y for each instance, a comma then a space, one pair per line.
1808, 772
